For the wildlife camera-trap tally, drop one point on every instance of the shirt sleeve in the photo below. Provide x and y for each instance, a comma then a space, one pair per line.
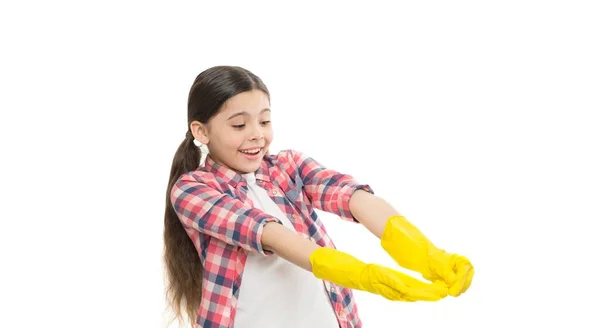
219, 215
327, 189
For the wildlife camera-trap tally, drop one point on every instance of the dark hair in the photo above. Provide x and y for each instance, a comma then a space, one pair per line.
184, 270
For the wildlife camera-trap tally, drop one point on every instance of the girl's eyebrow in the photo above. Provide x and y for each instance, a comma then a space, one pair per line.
246, 113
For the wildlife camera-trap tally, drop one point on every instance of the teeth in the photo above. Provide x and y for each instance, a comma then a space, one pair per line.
251, 151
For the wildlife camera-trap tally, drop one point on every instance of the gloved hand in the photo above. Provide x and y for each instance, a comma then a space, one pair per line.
345, 270
413, 251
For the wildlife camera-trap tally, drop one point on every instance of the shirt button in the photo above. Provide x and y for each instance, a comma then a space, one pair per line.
273, 192
332, 289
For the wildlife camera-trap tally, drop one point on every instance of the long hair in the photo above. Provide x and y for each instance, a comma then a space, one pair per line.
184, 270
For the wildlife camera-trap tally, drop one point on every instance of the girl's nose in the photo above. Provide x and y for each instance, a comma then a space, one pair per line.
256, 133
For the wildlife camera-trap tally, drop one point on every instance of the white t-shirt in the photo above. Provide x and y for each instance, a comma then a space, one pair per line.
275, 293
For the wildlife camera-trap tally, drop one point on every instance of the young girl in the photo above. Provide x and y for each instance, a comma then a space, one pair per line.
244, 246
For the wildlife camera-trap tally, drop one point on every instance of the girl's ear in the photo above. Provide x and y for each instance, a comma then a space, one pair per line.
200, 131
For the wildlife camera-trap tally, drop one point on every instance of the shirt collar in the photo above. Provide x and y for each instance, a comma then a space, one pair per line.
232, 177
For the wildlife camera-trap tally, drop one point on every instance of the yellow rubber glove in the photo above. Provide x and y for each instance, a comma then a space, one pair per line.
413, 251
347, 271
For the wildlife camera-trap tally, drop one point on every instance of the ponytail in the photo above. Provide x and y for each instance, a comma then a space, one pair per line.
183, 267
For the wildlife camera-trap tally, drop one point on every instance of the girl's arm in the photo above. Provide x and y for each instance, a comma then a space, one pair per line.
326, 189
368, 209
409, 247
288, 244
345, 270
371, 211
202, 207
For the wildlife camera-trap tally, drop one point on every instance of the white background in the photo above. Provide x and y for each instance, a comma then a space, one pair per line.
477, 120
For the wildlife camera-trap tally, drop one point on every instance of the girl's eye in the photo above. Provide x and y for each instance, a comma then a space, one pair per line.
265, 122
239, 126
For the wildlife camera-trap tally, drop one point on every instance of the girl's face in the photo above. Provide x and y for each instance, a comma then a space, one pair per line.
240, 134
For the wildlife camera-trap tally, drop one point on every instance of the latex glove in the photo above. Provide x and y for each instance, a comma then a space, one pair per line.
413, 251
345, 270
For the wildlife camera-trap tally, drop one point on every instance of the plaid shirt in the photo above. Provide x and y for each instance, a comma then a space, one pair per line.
220, 219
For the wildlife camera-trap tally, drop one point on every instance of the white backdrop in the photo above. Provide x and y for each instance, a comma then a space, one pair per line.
476, 120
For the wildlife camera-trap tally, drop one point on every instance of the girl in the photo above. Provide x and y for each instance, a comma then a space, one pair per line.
243, 244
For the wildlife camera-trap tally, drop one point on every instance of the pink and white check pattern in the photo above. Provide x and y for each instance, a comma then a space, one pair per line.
220, 219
